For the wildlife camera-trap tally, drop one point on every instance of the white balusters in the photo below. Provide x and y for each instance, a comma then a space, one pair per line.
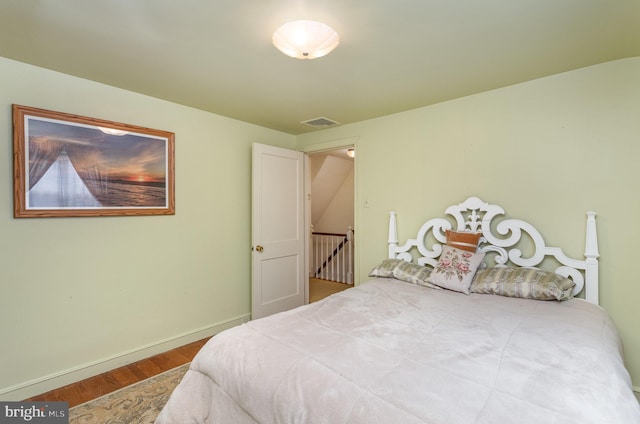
332, 256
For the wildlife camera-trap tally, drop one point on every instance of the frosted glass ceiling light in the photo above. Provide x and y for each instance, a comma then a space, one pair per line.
305, 39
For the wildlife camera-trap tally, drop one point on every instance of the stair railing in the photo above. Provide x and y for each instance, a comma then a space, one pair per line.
332, 256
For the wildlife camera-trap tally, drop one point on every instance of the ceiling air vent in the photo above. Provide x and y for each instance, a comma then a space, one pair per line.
321, 122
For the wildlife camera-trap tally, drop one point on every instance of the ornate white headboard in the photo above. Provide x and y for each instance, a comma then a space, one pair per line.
475, 215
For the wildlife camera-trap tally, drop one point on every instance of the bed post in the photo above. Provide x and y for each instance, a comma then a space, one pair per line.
393, 234
591, 254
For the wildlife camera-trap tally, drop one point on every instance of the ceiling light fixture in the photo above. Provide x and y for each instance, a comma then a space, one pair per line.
351, 152
305, 39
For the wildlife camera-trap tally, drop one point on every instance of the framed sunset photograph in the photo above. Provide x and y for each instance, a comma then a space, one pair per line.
68, 165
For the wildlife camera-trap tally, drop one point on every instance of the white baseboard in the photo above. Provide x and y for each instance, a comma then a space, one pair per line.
62, 378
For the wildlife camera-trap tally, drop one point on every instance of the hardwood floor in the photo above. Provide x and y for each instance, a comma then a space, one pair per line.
100, 385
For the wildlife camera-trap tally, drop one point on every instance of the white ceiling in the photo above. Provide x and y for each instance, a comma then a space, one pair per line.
394, 55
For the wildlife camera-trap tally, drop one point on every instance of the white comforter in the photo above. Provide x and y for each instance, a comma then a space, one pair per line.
392, 352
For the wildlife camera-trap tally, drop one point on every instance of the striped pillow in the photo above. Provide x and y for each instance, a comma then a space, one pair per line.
463, 240
528, 283
403, 270
385, 268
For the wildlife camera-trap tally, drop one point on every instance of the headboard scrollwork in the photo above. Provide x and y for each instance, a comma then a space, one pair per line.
503, 247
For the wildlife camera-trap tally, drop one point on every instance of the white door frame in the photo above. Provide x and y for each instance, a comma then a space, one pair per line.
342, 143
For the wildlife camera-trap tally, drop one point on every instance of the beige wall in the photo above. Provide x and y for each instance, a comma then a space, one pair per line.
338, 216
81, 294
332, 193
547, 150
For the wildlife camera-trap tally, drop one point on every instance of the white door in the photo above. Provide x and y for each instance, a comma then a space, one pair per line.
278, 231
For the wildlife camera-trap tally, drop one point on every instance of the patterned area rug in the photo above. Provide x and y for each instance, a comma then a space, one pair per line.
139, 403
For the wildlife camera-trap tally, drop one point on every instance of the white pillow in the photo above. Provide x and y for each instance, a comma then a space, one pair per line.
455, 269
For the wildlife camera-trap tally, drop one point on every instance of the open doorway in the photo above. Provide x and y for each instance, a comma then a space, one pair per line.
331, 247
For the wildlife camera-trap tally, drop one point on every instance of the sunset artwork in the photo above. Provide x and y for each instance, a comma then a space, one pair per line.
72, 166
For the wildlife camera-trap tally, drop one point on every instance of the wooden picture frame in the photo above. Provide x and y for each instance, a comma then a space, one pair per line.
71, 166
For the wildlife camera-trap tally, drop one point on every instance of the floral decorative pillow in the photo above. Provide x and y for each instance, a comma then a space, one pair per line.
455, 269
403, 270
528, 283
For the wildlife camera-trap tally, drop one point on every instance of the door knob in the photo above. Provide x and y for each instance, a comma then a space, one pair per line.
259, 248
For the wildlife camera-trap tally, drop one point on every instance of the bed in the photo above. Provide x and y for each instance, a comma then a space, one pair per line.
403, 348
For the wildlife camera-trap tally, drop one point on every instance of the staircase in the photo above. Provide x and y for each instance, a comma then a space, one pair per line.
332, 256
331, 249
